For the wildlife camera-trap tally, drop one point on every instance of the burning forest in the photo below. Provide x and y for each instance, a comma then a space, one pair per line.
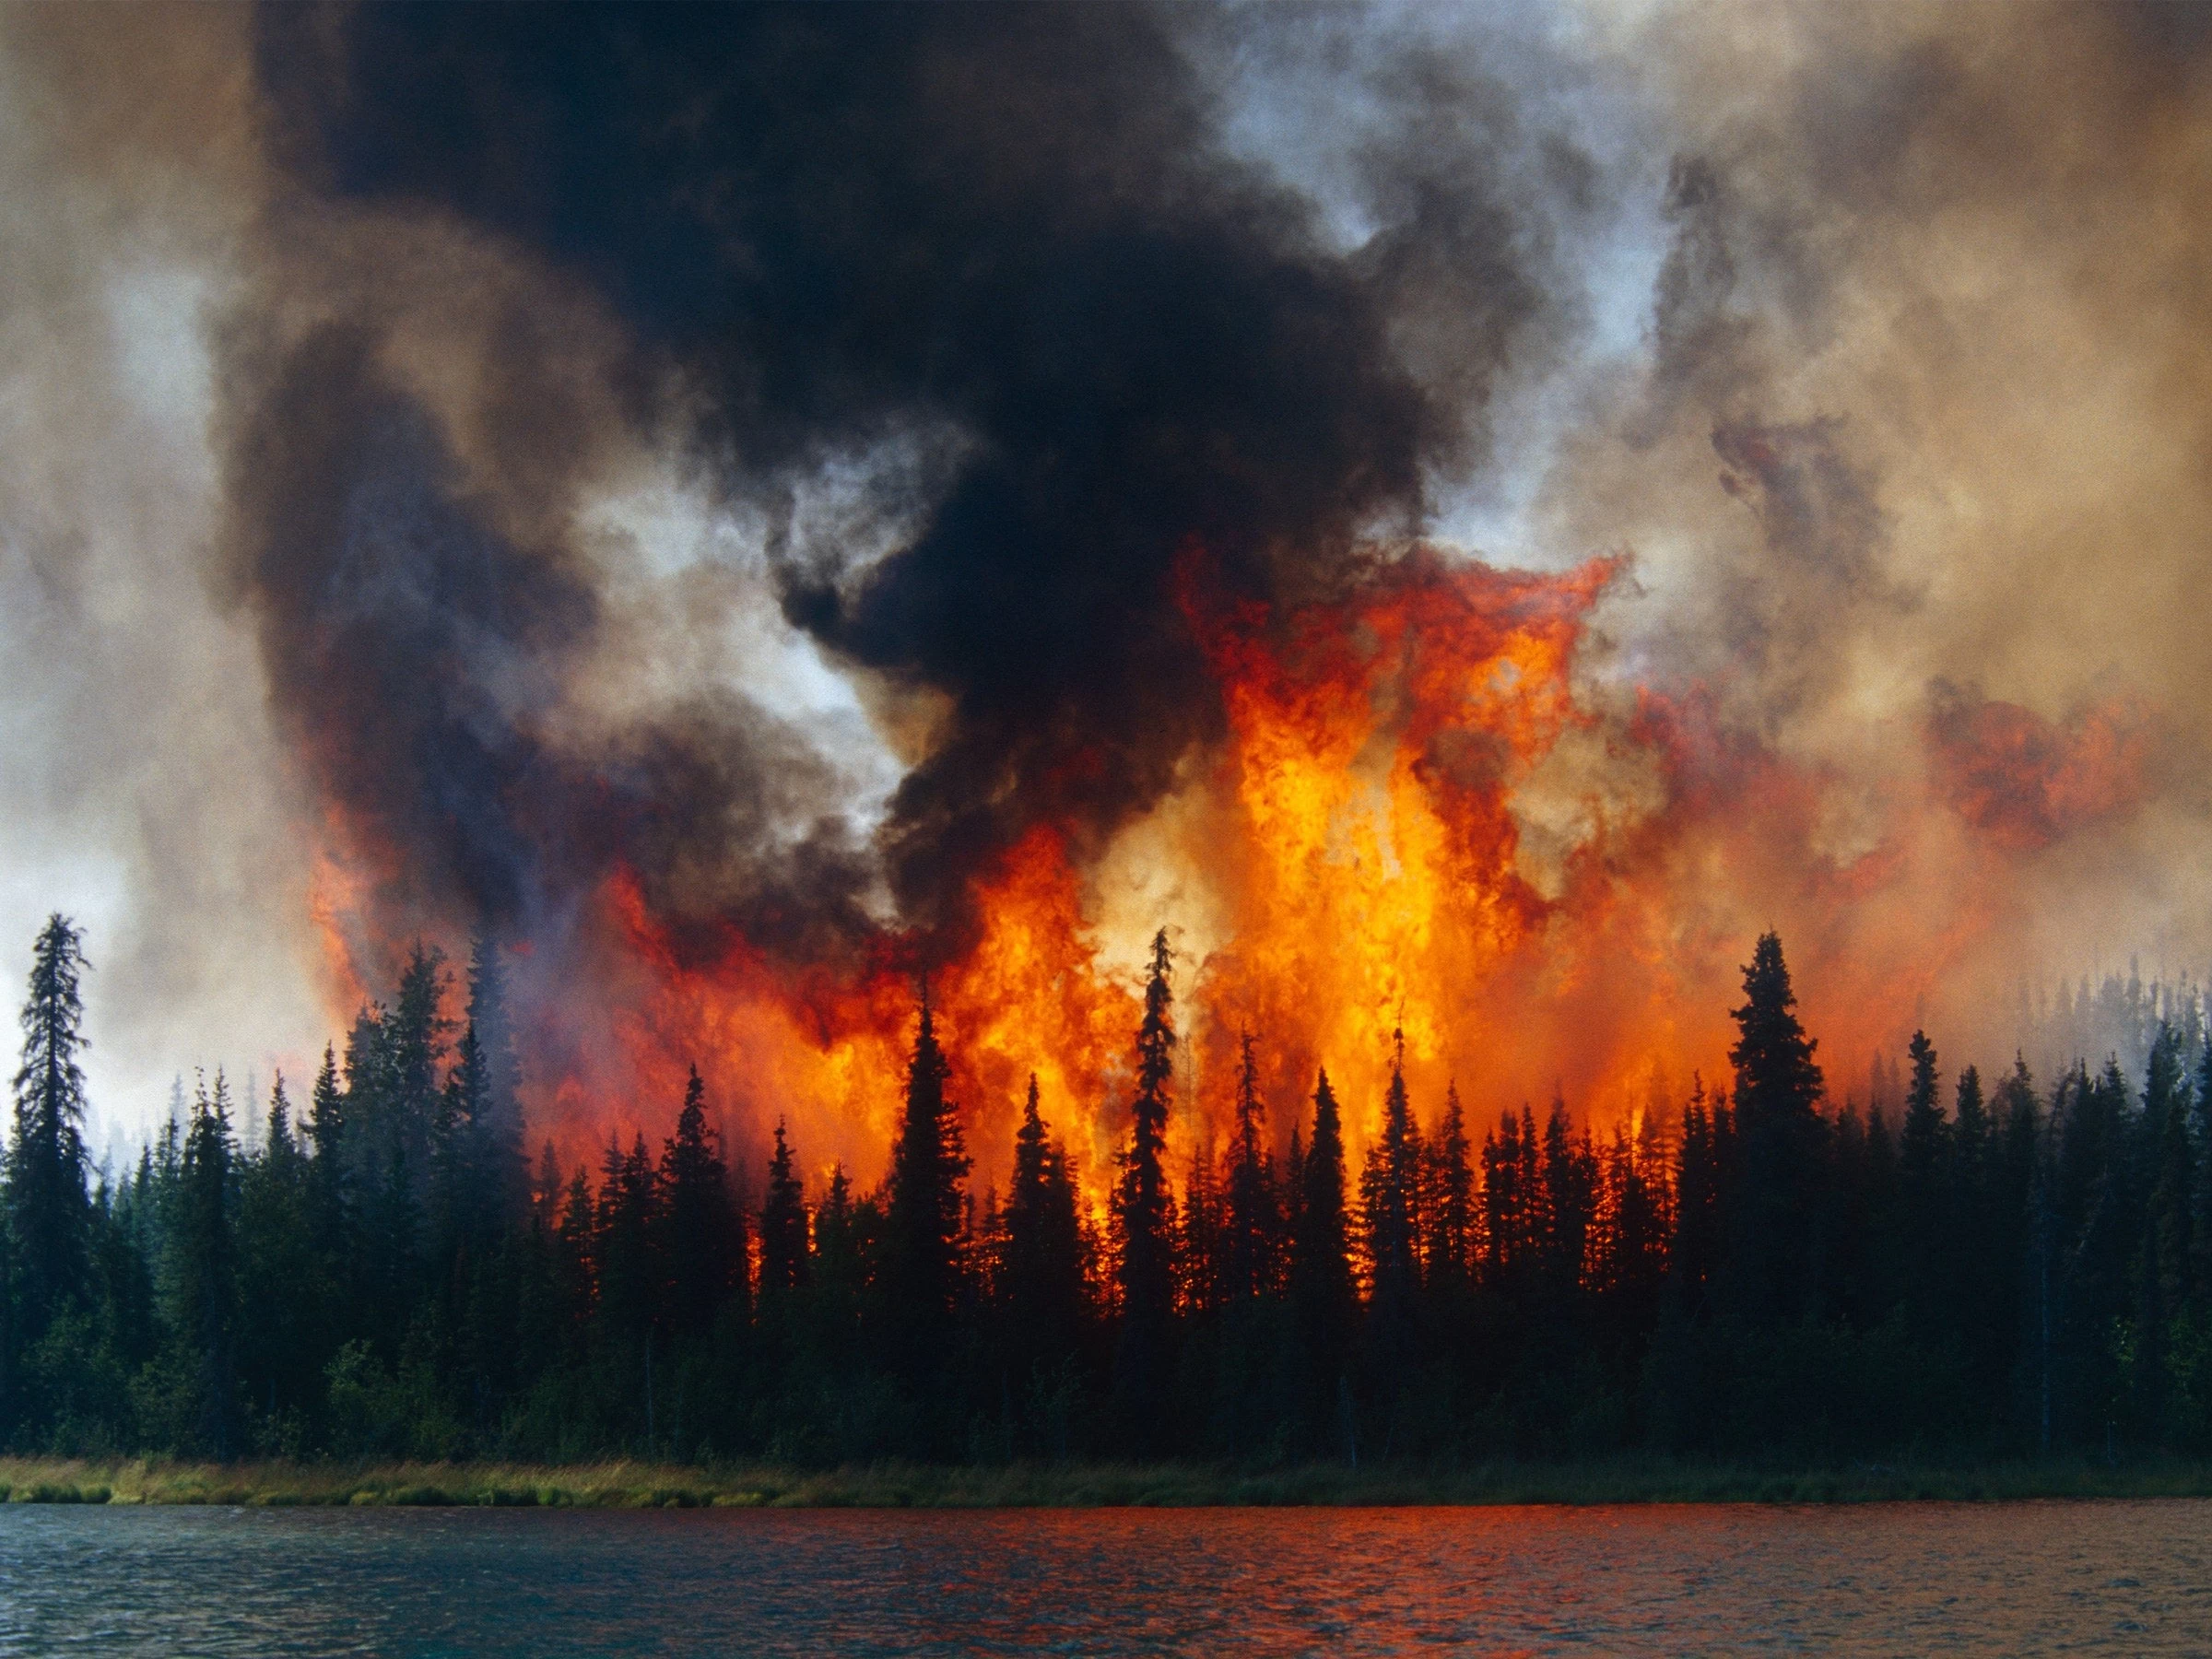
1037, 720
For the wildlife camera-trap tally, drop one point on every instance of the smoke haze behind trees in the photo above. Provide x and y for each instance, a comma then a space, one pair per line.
754, 447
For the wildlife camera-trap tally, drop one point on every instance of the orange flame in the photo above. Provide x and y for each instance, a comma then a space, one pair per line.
1391, 835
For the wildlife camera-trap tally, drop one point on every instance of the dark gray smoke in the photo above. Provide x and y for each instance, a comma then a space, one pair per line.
831, 228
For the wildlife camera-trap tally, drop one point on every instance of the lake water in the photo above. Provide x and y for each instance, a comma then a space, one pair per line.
1906, 1579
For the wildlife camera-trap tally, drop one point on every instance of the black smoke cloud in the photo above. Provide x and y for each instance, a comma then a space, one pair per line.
414, 652
823, 229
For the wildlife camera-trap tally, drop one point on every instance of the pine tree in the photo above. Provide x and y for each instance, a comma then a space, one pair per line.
415, 1036
625, 1247
1323, 1298
1924, 1139
1700, 1237
206, 1314
1041, 1286
1924, 1149
1450, 1241
576, 1249
497, 1148
1389, 1190
1779, 1133
48, 1211
462, 1211
1250, 1217
1144, 1214
700, 1245
1505, 1207
1569, 1201
922, 1267
785, 1262
330, 1186
284, 1294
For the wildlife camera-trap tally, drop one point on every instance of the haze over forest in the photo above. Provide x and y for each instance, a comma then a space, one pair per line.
1467, 518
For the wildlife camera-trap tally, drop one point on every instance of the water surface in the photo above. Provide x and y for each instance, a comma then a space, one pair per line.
1890, 1579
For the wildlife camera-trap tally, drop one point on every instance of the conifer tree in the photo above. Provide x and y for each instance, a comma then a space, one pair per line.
415, 1036
284, 1294
1504, 1206
1921, 1142
1449, 1241
785, 1262
1389, 1188
48, 1212
1322, 1295
1699, 1242
205, 1285
1251, 1219
575, 1251
700, 1243
497, 1120
1779, 1133
1198, 1239
922, 1267
1042, 1279
329, 1173
626, 1247
1144, 1212
1570, 1187
1923, 1166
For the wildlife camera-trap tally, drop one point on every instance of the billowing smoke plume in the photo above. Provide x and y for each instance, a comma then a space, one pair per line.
739, 493
1008, 238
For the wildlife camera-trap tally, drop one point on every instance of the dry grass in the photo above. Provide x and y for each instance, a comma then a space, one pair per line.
631, 1485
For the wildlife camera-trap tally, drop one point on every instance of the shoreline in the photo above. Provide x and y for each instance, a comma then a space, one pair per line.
631, 1484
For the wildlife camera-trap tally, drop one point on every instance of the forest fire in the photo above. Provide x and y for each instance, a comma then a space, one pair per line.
997, 734
1348, 861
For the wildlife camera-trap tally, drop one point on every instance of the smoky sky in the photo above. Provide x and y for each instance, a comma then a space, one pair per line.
459, 453
830, 226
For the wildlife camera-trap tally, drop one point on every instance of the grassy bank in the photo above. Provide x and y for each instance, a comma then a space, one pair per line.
628, 1484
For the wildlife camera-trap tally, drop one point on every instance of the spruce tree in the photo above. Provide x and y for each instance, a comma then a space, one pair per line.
1448, 1242
785, 1262
921, 1270
501, 1169
1923, 1166
1251, 1219
284, 1296
415, 1035
1042, 1277
206, 1308
1323, 1298
1700, 1237
1389, 1194
1779, 1135
1144, 1215
48, 1206
1923, 1142
699, 1232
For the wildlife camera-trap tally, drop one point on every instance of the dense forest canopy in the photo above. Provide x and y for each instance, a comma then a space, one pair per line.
2008, 1264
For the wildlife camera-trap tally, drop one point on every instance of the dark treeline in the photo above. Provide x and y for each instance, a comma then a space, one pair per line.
2004, 1269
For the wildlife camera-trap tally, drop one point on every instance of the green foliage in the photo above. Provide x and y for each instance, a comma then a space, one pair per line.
1766, 1275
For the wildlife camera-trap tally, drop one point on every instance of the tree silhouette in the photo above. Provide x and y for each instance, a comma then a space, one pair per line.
785, 1260
1250, 1217
701, 1230
1042, 1273
924, 1219
1779, 1135
1144, 1212
1322, 1295
48, 1207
